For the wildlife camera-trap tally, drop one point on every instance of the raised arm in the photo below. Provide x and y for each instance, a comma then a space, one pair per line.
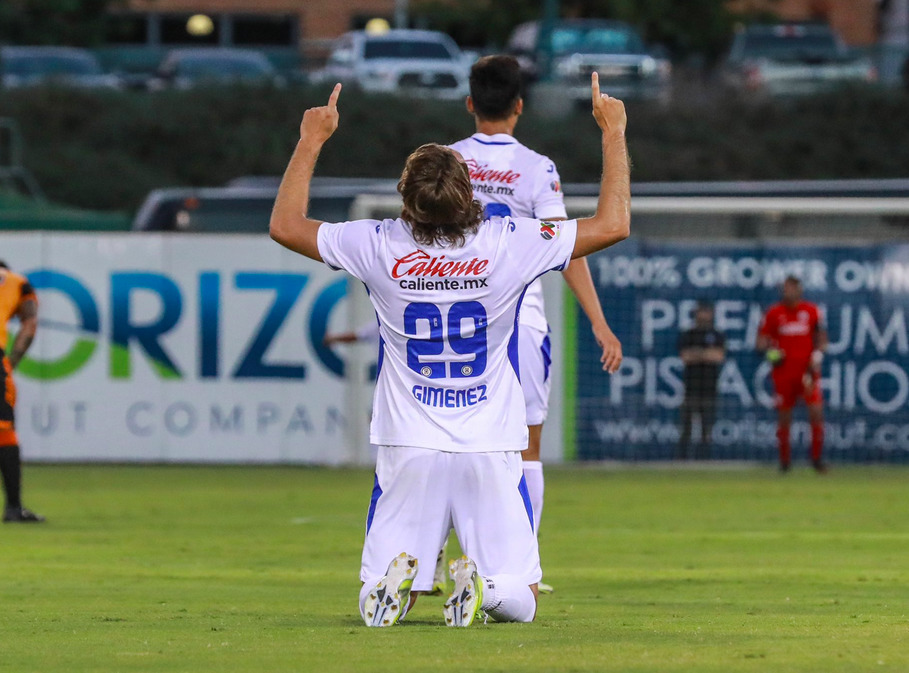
289, 224
612, 221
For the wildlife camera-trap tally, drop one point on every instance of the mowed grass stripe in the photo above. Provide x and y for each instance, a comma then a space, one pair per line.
210, 569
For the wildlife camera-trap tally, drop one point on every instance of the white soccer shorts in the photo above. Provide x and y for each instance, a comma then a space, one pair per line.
535, 357
419, 494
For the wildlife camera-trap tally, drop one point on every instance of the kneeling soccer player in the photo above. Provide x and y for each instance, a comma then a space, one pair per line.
448, 414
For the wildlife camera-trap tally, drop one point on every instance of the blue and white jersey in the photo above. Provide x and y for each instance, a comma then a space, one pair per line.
448, 357
510, 179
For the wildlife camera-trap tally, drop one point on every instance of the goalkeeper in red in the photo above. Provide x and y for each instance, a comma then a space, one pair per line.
793, 339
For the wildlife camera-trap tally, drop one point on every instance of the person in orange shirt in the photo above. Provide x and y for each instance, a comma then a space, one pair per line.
17, 299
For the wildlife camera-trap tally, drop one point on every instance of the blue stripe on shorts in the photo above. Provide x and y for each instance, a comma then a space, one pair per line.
376, 494
525, 496
546, 350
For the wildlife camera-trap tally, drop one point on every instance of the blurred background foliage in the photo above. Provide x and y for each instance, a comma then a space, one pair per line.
77, 140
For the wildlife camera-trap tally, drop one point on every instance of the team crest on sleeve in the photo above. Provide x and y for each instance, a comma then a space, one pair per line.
555, 186
549, 230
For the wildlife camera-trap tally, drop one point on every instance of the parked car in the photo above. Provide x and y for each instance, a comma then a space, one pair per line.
189, 68
59, 66
793, 59
410, 62
615, 50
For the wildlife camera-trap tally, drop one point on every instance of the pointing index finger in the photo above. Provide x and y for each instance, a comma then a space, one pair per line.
333, 98
595, 86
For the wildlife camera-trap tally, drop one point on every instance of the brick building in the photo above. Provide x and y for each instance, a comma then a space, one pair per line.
855, 20
316, 21
248, 21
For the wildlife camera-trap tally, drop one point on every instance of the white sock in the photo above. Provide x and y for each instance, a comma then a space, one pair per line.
533, 475
507, 598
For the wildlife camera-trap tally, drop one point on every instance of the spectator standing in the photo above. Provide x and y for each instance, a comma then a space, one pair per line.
702, 350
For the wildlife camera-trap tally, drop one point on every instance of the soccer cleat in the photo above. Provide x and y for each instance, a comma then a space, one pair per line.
21, 515
544, 588
819, 467
464, 604
439, 579
387, 603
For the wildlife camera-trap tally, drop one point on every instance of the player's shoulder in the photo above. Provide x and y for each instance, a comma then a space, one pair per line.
12, 279
364, 226
547, 230
476, 146
461, 145
774, 310
388, 224
497, 226
521, 223
502, 227
476, 143
359, 238
15, 286
536, 159
813, 309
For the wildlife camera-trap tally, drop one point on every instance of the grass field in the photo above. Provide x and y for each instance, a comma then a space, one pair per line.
255, 569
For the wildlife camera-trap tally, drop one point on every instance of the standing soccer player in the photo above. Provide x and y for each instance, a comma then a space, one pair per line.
17, 299
448, 412
511, 180
793, 339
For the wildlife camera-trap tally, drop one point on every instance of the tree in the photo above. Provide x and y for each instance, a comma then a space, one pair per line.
690, 27
476, 23
54, 22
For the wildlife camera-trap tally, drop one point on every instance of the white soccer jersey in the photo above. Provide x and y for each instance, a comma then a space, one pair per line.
510, 179
448, 360
368, 332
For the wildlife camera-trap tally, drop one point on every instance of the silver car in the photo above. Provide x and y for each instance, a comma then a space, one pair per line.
57, 66
410, 62
793, 60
